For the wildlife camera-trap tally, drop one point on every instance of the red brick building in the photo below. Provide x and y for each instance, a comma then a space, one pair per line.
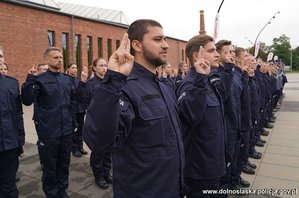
27, 28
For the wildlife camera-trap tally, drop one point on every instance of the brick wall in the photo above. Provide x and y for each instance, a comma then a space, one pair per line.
24, 37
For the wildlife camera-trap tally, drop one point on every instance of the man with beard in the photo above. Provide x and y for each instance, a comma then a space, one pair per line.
136, 114
52, 95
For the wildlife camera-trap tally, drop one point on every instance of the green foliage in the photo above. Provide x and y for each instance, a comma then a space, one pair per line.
295, 58
282, 48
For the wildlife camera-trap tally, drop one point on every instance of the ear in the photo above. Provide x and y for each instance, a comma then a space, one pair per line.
136, 45
195, 56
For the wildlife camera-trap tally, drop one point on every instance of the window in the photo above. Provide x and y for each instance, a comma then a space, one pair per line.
117, 44
109, 47
100, 46
89, 50
78, 53
183, 55
65, 49
51, 41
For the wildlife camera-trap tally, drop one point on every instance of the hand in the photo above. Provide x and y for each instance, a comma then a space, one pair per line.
201, 65
121, 60
229, 58
83, 76
33, 69
21, 151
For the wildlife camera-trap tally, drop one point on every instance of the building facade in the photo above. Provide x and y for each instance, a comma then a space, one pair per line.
27, 29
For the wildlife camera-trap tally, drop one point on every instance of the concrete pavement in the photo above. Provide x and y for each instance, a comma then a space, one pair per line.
278, 169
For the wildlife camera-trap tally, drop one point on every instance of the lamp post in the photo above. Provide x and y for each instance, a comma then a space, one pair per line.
269, 22
249, 42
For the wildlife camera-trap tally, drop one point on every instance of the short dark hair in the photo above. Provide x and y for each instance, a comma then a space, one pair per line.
221, 43
238, 51
194, 44
69, 65
138, 28
50, 49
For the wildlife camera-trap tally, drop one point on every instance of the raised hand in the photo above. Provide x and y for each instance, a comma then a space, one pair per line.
202, 65
229, 58
84, 74
121, 60
33, 69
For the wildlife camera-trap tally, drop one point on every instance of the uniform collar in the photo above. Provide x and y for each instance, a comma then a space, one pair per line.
139, 70
51, 72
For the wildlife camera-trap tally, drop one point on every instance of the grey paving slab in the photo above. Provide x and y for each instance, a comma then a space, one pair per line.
279, 171
262, 182
283, 150
81, 180
279, 159
287, 143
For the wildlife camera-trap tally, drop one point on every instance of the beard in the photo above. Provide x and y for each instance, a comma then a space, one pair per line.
153, 59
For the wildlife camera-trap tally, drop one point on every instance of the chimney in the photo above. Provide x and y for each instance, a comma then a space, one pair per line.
202, 30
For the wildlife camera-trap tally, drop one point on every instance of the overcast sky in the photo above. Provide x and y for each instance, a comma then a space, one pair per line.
238, 18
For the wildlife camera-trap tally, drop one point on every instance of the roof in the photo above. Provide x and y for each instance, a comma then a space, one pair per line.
93, 13
47, 3
102, 14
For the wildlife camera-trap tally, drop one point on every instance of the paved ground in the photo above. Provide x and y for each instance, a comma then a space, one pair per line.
277, 170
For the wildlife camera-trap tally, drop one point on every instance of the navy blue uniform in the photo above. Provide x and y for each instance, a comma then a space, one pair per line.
12, 135
231, 93
52, 94
139, 117
245, 128
80, 95
100, 163
203, 133
168, 81
255, 110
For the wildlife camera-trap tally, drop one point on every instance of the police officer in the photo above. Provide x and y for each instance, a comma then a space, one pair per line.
51, 93
137, 114
231, 92
166, 77
100, 163
201, 112
12, 135
80, 96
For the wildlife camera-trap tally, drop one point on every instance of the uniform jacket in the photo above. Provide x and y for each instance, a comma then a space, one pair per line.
168, 81
90, 84
203, 133
52, 94
138, 116
12, 134
79, 94
255, 98
231, 92
246, 123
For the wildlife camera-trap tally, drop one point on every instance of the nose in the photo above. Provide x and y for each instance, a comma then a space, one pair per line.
165, 45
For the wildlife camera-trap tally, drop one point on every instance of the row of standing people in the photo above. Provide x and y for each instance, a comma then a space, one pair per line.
163, 142
60, 103
170, 144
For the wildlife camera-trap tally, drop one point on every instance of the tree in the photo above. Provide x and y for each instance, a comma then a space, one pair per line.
282, 48
263, 51
295, 58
